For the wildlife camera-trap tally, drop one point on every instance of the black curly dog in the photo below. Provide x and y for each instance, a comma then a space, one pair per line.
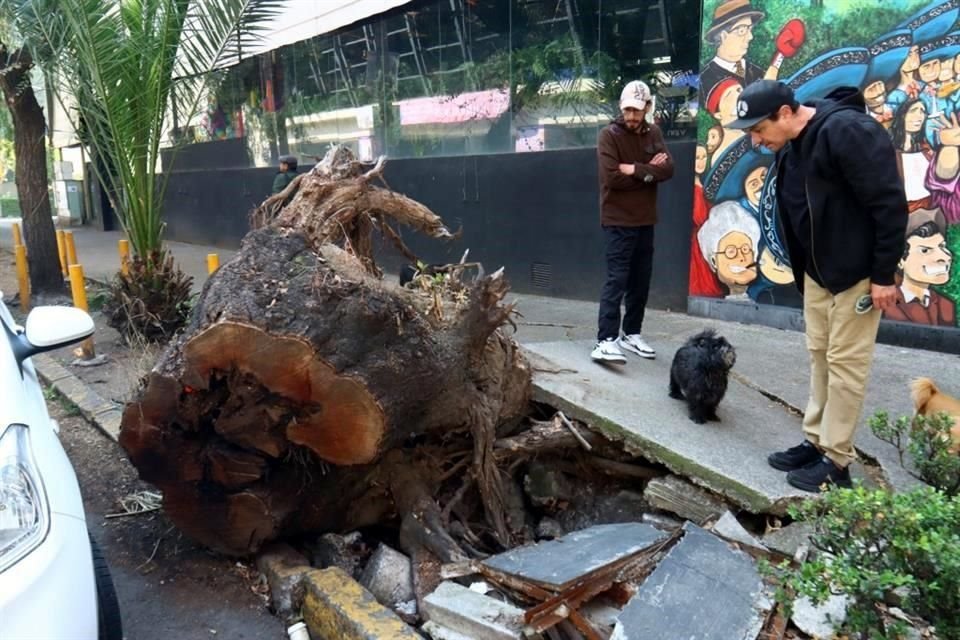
699, 374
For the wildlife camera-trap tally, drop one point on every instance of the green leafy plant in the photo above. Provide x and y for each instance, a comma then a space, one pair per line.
875, 547
927, 441
149, 303
124, 67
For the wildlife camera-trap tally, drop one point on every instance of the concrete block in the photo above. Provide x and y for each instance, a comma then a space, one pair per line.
730, 528
285, 570
336, 606
820, 621
439, 632
388, 576
702, 589
471, 614
789, 539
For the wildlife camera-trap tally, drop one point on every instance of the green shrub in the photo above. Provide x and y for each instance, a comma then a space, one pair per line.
872, 542
928, 441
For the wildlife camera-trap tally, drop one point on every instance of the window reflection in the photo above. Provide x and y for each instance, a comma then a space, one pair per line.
452, 77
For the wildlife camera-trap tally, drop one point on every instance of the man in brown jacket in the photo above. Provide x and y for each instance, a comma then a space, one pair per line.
632, 159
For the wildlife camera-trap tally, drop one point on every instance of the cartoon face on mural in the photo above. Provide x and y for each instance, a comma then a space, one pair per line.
908, 71
700, 162
728, 241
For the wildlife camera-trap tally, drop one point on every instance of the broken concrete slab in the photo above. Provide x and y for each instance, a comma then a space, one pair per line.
473, 615
388, 576
789, 539
631, 404
285, 570
702, 589
820, 621
690, 502
556, 564
730, 528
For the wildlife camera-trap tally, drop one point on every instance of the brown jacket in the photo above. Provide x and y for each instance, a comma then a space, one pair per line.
630, 201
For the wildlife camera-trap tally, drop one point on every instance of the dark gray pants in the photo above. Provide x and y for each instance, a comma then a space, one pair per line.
629, 252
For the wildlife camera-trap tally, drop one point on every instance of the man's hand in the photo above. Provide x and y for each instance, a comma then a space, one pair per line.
884, 296
659, 160
627, 169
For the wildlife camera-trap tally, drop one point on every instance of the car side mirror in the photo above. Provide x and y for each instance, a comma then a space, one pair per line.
49, 328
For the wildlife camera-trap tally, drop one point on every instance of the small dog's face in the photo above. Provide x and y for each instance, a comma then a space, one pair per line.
717, 350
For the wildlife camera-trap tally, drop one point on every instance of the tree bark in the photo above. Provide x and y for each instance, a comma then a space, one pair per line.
309, 395
29, 128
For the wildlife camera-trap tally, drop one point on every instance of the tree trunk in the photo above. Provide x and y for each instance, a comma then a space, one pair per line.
309, 395
31, 168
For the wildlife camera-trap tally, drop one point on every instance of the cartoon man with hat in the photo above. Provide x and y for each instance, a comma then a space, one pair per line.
925, 263
731, 32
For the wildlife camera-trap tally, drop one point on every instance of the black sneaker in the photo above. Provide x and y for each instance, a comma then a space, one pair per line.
814, 475
795, 457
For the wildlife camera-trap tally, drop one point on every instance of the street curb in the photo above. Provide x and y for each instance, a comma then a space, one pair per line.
103, 414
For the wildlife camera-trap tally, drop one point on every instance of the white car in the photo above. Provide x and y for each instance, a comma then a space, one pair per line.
54, 583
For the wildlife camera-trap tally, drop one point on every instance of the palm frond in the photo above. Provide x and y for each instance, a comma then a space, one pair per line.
118, 61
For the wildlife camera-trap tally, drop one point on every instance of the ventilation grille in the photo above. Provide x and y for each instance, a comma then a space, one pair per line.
541, 275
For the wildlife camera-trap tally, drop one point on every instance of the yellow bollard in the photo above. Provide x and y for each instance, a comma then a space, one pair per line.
213, 262
79, 291
62, 251
124, 247
71, 248
23, 277
17, 240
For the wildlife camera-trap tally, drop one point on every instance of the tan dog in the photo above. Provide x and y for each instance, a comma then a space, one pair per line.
929, 401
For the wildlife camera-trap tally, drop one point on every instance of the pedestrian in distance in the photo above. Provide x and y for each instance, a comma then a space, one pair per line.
632, 160
286, 174
843, 212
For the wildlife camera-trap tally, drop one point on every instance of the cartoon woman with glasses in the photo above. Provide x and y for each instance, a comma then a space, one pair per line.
728, 241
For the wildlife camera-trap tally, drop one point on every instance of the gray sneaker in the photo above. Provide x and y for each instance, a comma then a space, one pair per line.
638, 345
608, 351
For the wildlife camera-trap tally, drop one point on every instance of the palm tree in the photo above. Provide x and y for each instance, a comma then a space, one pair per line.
118, 66
119, 63
28, 126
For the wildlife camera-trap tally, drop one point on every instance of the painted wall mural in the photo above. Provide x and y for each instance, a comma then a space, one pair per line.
905, 57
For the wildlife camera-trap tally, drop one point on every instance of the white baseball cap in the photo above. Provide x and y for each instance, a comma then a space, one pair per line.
636, 94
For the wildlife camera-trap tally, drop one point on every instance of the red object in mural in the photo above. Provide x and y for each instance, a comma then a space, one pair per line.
703, 282
789, 40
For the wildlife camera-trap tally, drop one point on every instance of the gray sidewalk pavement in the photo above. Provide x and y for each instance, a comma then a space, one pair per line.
770, 381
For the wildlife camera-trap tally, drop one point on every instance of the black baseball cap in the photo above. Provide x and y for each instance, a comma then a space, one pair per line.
759, 101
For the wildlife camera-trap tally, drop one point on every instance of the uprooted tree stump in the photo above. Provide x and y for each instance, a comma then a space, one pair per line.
307, 394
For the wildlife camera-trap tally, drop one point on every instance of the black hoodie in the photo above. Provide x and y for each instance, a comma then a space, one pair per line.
857, 206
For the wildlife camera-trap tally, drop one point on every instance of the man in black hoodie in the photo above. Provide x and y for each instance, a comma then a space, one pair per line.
843, 212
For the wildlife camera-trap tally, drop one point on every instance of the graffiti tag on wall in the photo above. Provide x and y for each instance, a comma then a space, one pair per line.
905, 57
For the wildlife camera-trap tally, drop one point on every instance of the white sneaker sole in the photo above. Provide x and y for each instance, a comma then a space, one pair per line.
605, 359
649, 355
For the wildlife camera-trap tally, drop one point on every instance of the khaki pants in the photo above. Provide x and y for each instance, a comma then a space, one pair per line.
841, 345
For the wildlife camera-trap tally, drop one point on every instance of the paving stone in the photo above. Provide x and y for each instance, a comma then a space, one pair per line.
336, 606
285, 570
820, 621
702, 589
789, 539
388, 576
730, 528
471, 614
556, 563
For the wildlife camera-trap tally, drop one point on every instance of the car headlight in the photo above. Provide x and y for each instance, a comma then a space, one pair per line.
24, 512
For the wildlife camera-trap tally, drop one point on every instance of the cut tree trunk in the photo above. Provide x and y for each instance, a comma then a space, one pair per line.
29, 128
308, 395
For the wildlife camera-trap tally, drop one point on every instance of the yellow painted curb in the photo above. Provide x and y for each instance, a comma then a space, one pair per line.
336, 606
